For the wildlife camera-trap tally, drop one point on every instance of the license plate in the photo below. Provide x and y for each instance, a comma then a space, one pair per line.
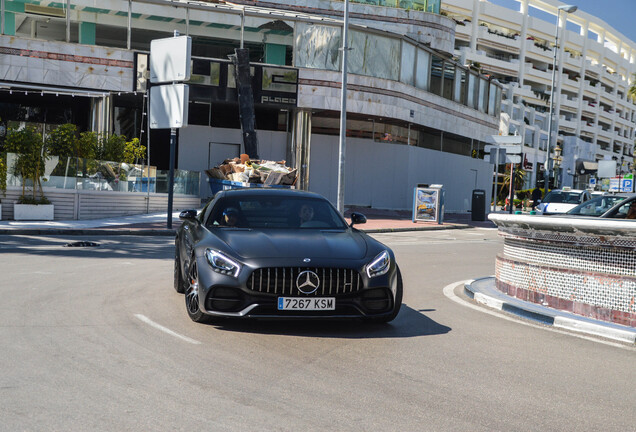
310, 304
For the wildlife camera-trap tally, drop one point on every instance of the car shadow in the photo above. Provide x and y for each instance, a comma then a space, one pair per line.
409, 323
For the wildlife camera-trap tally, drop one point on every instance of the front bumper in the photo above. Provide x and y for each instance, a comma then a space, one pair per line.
225, 296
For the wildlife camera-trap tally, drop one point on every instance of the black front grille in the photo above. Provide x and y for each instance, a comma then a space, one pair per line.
282, 281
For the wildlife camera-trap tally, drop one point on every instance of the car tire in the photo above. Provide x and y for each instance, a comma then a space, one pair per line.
398, 302
192, 295
179, 283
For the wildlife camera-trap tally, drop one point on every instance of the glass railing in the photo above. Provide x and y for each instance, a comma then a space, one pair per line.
432, 6
91, 174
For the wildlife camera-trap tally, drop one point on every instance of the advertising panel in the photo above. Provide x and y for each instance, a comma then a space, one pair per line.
426, 204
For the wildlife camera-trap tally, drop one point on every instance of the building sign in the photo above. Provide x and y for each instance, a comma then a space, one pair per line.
622, 184
212, 80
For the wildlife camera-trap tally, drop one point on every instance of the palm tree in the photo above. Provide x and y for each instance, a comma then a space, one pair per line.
631, 92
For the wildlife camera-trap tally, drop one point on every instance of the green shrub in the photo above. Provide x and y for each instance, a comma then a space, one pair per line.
31, 153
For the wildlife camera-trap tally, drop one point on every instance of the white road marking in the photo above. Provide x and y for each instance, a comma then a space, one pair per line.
151, 323
449, 292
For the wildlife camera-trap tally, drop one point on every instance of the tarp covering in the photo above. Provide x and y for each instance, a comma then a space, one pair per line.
586, 167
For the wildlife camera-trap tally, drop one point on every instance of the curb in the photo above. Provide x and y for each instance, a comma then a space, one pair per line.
90, 232
172, 232
550, 318
420, 228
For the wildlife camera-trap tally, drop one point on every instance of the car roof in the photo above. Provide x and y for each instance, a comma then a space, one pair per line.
568, 190
268, 191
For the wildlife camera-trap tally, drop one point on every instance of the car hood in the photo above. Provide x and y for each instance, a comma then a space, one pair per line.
336, 244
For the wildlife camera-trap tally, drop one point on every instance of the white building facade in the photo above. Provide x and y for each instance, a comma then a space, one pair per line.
415, 115
595, 66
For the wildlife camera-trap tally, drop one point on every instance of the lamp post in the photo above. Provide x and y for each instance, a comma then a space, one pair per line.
573, 174
566, 9
343, 112
557, 164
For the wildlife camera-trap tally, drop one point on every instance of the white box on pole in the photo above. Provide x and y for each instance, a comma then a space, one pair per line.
606, 169
170, 59
169, 106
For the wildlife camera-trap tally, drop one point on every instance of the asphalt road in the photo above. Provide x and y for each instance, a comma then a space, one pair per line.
97, 339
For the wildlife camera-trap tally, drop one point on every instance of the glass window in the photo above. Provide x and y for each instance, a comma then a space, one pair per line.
449, 80
460, 86
374, 55
436, 75
407, 64
423, 69
498, 101
317, 46
492, 99
473, 90
483, 95
262, 211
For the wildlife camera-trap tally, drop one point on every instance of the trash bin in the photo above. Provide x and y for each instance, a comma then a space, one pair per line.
478, 205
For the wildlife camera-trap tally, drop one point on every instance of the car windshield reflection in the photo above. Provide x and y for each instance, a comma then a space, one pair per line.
596, 206
261, 212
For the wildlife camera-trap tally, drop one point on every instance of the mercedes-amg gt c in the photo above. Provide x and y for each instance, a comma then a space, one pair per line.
282, 253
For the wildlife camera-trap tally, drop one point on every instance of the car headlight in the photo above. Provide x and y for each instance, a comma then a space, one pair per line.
380, 265
220, 263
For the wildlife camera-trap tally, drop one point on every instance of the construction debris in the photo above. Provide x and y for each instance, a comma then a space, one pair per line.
254, 171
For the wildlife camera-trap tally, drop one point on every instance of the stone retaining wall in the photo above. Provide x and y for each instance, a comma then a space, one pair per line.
584, 266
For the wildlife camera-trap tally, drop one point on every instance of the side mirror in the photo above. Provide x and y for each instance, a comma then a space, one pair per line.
188, 215
358, 218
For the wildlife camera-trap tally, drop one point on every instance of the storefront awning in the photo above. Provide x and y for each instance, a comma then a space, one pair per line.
586, 167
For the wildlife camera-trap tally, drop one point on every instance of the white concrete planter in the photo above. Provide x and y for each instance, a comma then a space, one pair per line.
32, 211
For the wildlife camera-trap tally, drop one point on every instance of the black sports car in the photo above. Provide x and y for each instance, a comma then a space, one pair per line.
264, 253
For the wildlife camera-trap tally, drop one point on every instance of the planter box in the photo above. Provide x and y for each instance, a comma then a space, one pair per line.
33, 211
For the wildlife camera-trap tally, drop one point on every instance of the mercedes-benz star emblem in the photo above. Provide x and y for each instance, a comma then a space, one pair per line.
307, 282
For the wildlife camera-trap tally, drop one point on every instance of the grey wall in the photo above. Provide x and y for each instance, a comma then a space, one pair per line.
382, 175
203, 147
378, 175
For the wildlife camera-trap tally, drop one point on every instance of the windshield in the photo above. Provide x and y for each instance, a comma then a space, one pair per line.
266, 211
563, 197
596, 206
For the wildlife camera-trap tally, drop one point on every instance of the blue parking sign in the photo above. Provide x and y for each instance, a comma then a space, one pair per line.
627, 185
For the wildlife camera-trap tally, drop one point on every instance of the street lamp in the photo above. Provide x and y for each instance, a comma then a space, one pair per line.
557, 164
566, 9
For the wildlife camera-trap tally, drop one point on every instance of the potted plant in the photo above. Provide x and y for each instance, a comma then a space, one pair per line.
31, 153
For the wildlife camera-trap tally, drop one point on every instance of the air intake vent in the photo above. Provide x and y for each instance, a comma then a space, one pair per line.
44, 10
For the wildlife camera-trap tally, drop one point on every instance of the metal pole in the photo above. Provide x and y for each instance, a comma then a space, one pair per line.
129, 33
242, 27
1, 16
173, 143
547, 151
494, 181
343, 111
148, 144
68, 20
512, 188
